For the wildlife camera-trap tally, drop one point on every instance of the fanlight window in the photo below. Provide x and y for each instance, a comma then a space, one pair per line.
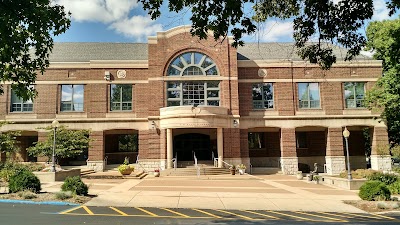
192, 64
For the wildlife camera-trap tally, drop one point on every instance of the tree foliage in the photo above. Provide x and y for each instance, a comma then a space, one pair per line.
69, 143
8, 141
384, 40
26, 40
320, 20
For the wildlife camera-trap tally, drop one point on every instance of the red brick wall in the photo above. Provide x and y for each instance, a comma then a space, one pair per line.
379, 139
232, 142
288, 142
334, 145
150, 144
96, 149
284, 101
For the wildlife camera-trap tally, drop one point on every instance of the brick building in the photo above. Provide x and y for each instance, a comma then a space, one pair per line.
178, 96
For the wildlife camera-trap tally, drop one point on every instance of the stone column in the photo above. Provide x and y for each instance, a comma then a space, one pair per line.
380, 156
335, 159
289, 160
220, 147
96, 152
170, 149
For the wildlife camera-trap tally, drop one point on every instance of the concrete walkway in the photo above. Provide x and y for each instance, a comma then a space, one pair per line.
246, 192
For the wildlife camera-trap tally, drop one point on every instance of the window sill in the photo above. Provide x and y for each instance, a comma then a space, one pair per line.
21, 115
310, 112
357, 111
264, 112
121, 114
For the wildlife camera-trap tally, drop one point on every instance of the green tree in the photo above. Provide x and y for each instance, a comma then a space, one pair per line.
26, 40
69, 143
384, 40
322, 20
8, 141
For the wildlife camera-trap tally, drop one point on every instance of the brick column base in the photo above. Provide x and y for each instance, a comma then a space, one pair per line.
98, 166
289, 165
335, 164
379, 162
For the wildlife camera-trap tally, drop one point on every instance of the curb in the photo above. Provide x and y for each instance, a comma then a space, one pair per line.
37, 203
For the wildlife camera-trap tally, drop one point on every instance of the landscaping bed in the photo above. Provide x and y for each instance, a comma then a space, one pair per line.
45, 197
375, 206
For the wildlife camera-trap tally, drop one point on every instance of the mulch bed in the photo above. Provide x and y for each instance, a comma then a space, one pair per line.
375, 206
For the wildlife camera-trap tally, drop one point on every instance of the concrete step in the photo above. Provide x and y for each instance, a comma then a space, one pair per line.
86, 172
193, 171
115, 175
266, 170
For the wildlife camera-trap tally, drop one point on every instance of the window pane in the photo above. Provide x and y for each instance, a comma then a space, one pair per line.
314, 91
15, 98
207, 62
115, 93
174, 94
177, 62
193, 70
257, 92
173, 71
359, 90
198, 57
187, 57
268, 91
212, 84
349, 90
212, 71
214, 103
213, 94
126, 93
174, 103
66, 93
78, 94
303, 91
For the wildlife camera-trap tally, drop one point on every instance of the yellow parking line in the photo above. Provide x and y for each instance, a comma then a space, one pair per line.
359, 215
297, 217
145, 211
260, 214
70, 210
385, 217
118, 211
324, 217
207, 213
87, 210
338, 215
231, 213
177, 213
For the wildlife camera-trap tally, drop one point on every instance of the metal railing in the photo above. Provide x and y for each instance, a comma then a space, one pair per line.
195, 159
251, 168
138, 163
215, 162
175, 161
226, 164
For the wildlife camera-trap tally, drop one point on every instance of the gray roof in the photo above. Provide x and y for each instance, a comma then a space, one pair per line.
86, 51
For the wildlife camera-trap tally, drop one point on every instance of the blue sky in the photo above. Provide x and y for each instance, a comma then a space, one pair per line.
126, 21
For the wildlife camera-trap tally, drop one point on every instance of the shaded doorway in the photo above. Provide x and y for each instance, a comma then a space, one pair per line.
185, 145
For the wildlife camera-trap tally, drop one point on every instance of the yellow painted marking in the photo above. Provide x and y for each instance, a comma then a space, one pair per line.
70, 210
207, 213
118, 211
260, 214
359, 215
385, 217
175, 217
324, 217
177, 213
297, 217
231, 213
338, 215
145, 211
87, 210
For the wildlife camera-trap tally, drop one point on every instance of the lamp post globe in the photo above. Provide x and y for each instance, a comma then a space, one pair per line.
346, 135
55, 124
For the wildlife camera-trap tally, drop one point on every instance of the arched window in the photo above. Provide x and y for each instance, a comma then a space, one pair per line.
194, 92
192, 64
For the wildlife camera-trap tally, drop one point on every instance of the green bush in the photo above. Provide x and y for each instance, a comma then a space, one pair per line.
358, 174
374, 191
24, 180
394, 188
8, 169
386, 178
75, 185
27, 194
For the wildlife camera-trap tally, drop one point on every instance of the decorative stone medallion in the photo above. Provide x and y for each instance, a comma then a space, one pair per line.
262, 72
121, 73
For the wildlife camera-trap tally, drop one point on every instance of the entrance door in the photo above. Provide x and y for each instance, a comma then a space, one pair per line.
186, 144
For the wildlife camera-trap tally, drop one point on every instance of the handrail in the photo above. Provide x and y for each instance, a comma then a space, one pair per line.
175, 161
212, 156
251, 168
138, 163
225, 163
195, 159
215, 162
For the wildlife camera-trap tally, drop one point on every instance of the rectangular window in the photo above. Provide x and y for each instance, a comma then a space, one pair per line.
193, 93
72, 98
19, 105
256, 140
301, 139
121, 97
263, 96
354, 93
308, 95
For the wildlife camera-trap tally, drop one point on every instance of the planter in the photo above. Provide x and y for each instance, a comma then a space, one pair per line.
299, 175
127, 171
47, 177
156, 174
233, 171
309, 177
241, 171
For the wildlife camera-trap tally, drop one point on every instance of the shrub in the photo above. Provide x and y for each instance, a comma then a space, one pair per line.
75, 185
62, 195
24, 180
374, 191
358, 174
386, 178
27, 194
394, 188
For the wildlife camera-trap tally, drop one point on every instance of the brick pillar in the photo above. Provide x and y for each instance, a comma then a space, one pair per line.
96, 151
153, 149
289, 160
42, 137
380, 157
244, 148
335, 159
232, 152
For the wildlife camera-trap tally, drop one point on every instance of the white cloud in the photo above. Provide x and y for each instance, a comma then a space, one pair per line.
277, 31
114, 13
136, 26
380, 10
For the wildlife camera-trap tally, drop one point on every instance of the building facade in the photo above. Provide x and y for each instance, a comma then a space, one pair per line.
180, 97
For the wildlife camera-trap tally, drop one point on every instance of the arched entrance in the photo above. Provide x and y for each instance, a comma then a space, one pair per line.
185, 145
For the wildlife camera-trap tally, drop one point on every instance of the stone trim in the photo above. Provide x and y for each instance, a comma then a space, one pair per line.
97, 166
379, 162
289, 165
335, 164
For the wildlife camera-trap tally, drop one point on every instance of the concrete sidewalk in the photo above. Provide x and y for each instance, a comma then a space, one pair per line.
246, 192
